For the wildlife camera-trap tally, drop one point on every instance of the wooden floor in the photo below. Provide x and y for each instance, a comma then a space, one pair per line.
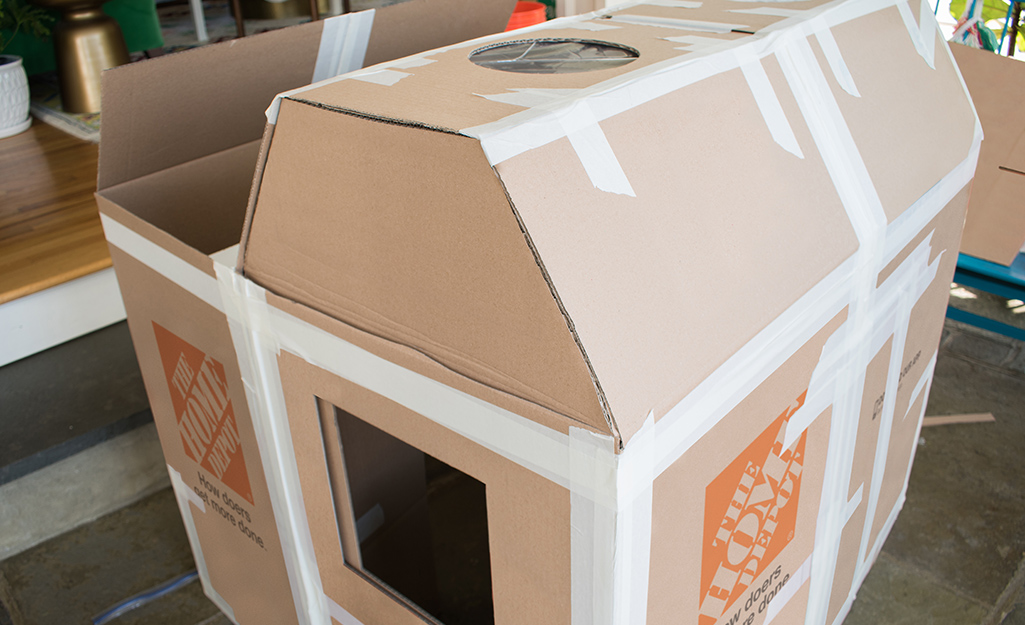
50, 230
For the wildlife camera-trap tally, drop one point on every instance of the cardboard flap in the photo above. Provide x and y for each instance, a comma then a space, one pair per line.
180, 107
995, 225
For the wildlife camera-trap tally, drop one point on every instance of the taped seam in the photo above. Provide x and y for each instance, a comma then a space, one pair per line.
602, 400
376, 330
186, 498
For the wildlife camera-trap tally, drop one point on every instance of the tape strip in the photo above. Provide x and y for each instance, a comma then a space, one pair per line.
635, 487
852, 505
922, 34
343, 47
272, 436
768, 103
343, 44
698, 42
589, 26
384, 77
594, 151
193, 280
770, 11
529, 98
592, 531
665, 22
835, 59
186, 499
788, 591
340, 614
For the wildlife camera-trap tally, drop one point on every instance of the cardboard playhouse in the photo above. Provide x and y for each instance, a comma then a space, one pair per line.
995, 225
624, 318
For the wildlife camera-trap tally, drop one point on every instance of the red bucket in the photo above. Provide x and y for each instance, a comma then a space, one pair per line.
526, 14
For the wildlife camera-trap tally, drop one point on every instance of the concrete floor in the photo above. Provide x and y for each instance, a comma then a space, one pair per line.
954, 557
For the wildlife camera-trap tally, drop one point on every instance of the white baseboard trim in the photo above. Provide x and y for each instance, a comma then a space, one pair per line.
50, 317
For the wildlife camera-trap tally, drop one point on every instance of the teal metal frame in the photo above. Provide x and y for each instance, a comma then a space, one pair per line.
990, 277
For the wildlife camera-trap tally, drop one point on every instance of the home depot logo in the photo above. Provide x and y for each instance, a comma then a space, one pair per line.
206, 419
750, 514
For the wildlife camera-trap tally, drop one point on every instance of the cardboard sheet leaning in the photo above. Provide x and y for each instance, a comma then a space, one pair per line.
677, 315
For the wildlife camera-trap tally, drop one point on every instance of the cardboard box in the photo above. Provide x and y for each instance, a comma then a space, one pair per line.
180, 145
649, 343
995, 225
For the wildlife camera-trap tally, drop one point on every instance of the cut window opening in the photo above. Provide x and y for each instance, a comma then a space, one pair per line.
553, 56
418, 526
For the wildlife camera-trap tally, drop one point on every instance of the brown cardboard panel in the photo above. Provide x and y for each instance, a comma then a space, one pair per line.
451, 276
180, 107
202, 203
249, 575
895, 122
995, 225
448, 93
528, 516
696, 491
726, 230
145, 229
795, 609
416, 361
417, 25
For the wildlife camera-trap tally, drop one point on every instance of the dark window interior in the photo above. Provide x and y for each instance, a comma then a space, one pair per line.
421, 526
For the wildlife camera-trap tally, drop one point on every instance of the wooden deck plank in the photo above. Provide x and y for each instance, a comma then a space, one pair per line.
50, 229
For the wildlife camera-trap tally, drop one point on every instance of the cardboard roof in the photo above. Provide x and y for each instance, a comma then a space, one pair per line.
599, 242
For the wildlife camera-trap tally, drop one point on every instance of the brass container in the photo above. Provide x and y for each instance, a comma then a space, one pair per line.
265, 10
86, 42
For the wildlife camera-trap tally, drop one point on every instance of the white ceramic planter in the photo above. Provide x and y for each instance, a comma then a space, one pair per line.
13, 96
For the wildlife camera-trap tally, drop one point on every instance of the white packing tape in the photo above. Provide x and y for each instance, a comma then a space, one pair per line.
340, 614
593, 150
179, 271
529, 98
592, 530
833, 56
632, 563
591, 26
923, 33
384, 77
343, 48
768, 103
679, 24
186, 499
770, 11
794, 583
343, 44
266, 403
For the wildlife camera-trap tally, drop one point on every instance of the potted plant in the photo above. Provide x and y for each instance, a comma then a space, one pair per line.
17, 16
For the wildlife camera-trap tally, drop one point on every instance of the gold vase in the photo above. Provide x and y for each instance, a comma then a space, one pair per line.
86, 41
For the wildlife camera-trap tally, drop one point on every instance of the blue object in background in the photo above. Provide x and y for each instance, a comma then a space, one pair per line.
1007, 282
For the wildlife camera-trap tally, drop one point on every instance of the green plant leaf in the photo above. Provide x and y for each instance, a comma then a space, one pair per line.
991, 9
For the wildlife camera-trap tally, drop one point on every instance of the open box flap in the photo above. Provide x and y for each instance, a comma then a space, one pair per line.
180, 107
995, 225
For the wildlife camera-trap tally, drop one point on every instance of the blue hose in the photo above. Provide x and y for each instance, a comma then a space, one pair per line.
145, 597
